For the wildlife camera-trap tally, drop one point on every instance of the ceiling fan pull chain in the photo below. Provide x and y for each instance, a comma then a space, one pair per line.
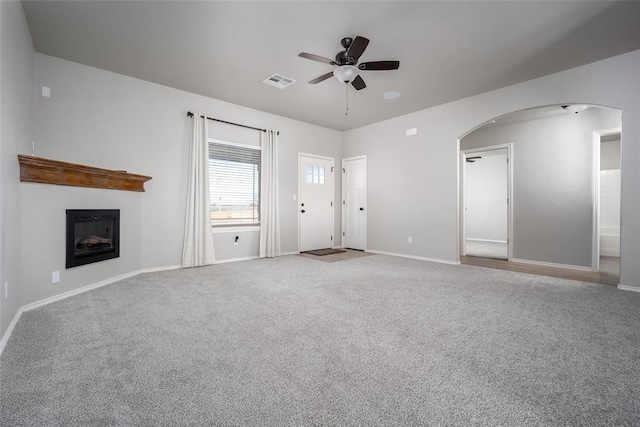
346, 113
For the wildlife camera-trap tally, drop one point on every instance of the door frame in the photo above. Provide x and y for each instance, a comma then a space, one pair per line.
333, 193
595, 235
462, 211
364, 158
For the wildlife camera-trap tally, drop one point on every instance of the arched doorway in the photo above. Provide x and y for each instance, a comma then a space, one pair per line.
557, 200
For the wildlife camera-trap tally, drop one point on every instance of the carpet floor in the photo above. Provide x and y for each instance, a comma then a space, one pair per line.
376, 340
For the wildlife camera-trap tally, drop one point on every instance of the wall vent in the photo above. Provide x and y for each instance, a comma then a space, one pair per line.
279, 81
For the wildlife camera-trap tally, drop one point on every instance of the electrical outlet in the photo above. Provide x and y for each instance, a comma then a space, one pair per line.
6, 290
409, 239
55, 276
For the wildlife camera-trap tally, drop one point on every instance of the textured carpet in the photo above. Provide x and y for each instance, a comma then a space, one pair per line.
376, 340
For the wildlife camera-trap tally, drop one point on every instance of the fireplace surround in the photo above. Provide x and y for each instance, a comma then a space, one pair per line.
93, 235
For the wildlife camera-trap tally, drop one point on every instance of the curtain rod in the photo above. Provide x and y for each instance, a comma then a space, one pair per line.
190, 114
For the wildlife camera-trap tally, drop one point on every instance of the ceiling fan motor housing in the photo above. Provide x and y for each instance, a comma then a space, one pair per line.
342, 58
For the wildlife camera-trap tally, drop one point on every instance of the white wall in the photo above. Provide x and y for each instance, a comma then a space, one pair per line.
16, 118
486, 191
104, 119
552, 183
413, 181
610, 155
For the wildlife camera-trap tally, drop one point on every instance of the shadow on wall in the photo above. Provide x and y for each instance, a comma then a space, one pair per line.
556, 163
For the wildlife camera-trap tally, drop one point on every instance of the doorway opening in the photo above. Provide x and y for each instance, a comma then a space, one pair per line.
486, 193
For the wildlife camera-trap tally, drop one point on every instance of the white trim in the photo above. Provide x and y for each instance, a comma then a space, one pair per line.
246, 258
629, 288
486, 240
81, 290
438, 260
289, 253
317, 156
156, 269
219, 229
551, 264
9, 330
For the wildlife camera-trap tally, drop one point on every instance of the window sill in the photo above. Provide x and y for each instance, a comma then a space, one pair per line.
217, 229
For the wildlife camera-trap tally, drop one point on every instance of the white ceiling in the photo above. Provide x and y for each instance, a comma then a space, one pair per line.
224, 50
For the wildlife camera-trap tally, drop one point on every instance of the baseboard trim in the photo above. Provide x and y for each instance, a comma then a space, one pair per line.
629, 288
155, 269
551, 264
246, 258
9, 330
290, 253
487, 240
420, 258
81, 290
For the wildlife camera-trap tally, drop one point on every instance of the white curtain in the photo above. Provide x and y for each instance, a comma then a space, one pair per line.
269, 200
197, 248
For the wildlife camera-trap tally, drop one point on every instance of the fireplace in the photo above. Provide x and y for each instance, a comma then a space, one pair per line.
92, 236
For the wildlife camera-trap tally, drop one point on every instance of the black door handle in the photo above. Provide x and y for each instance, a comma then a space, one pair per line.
303, 211
361, 209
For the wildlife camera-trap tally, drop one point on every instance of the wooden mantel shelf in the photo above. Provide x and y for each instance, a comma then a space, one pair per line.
37, 169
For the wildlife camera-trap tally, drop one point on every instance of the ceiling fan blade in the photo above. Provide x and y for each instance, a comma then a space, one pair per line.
358, 83
379, 65
322, 78
318, 58
357, 47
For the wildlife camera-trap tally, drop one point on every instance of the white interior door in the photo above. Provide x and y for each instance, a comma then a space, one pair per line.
486, 203
316, 202
354, 210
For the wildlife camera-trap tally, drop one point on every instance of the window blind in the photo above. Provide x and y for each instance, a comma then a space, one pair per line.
234, 183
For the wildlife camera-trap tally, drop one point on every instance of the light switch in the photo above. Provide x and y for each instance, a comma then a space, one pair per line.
46, 92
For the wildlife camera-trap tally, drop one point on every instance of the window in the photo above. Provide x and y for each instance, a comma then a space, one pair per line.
234, 183
315, 174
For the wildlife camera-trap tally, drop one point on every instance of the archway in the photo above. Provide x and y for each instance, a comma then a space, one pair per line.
555, 207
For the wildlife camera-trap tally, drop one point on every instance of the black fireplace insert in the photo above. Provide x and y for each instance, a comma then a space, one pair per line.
92, 236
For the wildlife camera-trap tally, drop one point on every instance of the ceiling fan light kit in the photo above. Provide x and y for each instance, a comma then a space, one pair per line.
346, 73
347, 70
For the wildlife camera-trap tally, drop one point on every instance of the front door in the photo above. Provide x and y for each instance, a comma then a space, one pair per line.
315, 203
354, 213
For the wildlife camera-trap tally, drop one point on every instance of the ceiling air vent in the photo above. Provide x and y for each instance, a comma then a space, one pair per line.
279, 81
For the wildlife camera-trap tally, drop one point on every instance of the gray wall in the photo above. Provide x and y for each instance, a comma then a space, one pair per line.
413, 181
108, 120
16, 119
552, 183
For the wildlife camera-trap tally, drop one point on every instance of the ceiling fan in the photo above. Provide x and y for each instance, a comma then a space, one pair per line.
347, 68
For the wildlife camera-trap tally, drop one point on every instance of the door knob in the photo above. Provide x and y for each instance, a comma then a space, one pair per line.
361, 209
303, 211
